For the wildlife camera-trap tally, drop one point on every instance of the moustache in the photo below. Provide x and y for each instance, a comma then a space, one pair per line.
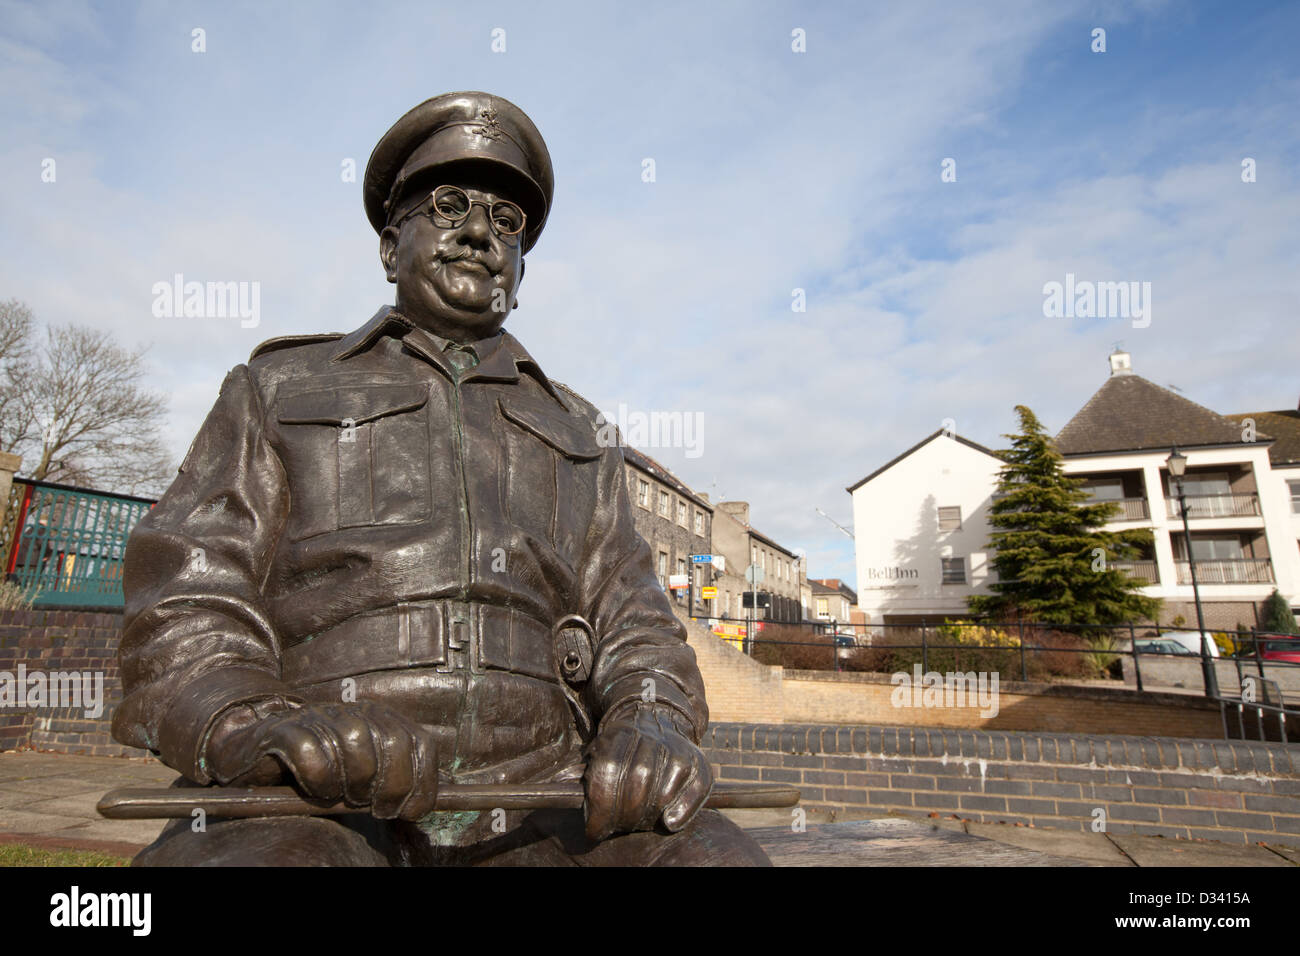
446, 257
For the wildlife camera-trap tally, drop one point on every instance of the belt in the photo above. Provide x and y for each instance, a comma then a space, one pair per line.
449, 637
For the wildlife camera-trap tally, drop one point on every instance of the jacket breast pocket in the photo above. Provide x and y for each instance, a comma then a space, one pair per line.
357, 456
550, 476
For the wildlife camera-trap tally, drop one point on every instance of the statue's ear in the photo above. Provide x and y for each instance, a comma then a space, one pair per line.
388, 251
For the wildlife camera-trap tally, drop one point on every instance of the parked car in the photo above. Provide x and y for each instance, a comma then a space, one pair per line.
1163, 645
1192, 641
1286, 649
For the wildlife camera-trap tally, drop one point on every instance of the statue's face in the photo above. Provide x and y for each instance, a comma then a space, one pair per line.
459, 281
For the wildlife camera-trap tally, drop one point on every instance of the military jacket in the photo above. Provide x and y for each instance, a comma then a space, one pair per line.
359, 516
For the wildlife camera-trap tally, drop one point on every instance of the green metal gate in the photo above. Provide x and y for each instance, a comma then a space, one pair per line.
63, 546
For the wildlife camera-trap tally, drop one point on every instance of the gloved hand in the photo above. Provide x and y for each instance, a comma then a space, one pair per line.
364, 753
643, 767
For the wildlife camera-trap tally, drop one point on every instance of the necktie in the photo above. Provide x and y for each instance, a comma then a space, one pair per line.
462, 357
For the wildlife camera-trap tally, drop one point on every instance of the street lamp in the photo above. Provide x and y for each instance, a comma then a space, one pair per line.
1177, 463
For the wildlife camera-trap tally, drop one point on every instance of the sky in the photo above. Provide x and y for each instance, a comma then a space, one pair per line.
854, 212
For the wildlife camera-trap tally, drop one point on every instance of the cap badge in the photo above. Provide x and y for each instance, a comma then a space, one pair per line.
489, 127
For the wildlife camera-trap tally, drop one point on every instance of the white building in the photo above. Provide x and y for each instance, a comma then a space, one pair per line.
1242, 486
921, 528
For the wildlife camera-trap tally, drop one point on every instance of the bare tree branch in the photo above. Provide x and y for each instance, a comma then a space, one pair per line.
76, 409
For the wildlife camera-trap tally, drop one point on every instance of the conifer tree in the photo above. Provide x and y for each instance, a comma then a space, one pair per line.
1277, 617
1055, 564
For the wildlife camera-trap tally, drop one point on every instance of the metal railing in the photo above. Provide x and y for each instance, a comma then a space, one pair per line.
1227, 571
1147, 571
63, 546
1243, 505
1130, 509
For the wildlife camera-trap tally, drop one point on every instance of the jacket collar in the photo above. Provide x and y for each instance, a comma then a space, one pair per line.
500, 361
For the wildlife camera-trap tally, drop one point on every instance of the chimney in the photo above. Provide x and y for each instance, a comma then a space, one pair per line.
1120, 363
737, 509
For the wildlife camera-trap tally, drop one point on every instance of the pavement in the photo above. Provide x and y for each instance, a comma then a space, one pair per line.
49, 799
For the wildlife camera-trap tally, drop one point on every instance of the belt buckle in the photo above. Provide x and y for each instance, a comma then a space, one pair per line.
459, 631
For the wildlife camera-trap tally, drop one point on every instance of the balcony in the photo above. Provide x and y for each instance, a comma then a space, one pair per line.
1130, 509
1216, 506
1145, 571
1227, 571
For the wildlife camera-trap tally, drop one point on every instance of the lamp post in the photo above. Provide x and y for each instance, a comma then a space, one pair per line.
1177, 463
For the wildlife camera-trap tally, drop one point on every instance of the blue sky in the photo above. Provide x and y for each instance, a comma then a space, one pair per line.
775, 170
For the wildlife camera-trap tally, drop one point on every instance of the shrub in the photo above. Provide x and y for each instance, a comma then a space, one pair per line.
14, 598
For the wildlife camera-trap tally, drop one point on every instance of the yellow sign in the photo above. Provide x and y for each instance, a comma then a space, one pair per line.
733, 634
707, 593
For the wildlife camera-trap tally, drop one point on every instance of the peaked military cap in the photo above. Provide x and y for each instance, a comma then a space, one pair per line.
457, 128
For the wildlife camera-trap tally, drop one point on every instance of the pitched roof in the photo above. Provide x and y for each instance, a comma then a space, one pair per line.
1129, 413
1284, 426
924, 441
640, 460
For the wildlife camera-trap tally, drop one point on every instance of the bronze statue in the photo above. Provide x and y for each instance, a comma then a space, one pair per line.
400, 556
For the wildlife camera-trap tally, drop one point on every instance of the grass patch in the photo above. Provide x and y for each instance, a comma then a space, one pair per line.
20, 854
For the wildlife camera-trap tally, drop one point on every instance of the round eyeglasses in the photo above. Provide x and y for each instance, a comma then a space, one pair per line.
450, 206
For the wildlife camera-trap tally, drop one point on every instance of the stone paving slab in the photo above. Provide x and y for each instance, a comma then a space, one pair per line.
1156, 851
54, 795
890, 843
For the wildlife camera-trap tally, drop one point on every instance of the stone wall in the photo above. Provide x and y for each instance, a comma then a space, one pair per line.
741, 690
1188, 789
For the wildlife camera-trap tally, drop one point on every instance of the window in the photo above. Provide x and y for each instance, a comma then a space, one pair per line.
1105, 489
1205, 483
950, 518
663, 569
699, 522
664, 502
1295, 496
681, 513
954, 570
681, 565
643, 493
823, 608
1222, 548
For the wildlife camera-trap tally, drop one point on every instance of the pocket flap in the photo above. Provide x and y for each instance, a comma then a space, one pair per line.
570, 436
357, 404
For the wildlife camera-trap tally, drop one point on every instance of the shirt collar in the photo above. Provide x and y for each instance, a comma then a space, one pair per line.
501, 357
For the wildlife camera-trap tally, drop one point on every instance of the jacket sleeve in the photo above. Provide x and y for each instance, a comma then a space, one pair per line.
638, 636
197, 640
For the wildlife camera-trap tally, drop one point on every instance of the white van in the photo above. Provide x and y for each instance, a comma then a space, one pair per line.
1192, 641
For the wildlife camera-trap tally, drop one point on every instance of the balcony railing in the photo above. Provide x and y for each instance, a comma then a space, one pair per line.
1228, 571
1142, 570
1216, 506
1130, 509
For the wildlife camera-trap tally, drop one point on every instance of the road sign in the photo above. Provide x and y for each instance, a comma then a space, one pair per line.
707, 593
701, 559
754, 575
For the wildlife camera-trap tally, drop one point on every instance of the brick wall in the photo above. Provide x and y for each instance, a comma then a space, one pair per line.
1234, 792
52, 641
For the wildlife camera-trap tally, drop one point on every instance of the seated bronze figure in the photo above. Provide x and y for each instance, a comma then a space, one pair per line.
400, 558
